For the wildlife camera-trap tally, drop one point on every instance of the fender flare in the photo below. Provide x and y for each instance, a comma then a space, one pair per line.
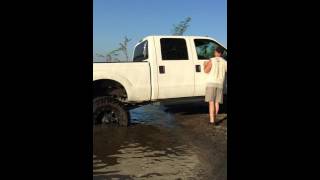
118, 78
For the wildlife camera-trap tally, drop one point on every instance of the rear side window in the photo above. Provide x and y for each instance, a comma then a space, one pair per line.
141, 52
174, 49
205, 49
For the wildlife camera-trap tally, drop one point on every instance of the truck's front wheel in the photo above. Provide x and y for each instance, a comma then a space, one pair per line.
107, 110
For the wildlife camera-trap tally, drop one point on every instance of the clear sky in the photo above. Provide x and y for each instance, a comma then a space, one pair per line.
113, 19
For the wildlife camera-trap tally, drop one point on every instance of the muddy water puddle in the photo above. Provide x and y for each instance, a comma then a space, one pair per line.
153, 147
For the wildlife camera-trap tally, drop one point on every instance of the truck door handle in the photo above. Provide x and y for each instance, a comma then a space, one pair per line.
198, 68
162, 69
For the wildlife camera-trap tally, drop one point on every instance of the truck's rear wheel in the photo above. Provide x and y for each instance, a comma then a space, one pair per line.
109, 111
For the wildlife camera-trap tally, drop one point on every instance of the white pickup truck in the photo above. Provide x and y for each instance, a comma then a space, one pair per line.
162, 68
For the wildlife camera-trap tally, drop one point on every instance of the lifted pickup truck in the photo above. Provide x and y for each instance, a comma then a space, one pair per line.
163, 68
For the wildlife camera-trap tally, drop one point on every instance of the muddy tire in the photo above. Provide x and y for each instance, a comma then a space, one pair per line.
109, 111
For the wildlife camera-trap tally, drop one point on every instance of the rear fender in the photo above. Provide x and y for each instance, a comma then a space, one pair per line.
122, 80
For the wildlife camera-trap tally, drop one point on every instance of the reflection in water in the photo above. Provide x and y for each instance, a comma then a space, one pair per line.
152, 114
140, 161
146, 150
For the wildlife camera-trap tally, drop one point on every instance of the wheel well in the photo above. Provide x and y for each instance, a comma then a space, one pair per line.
107, 87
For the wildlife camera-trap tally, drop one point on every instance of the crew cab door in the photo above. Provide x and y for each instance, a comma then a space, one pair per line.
175, 67
203, 50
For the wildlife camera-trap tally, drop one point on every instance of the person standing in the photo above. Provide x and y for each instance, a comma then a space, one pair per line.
215, 68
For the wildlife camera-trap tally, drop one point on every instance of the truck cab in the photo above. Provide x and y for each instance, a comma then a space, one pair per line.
176, 64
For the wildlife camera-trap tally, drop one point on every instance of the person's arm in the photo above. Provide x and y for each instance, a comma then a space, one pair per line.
207, 66
226, 66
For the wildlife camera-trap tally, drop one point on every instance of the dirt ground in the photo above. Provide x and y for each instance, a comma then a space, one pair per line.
164, 142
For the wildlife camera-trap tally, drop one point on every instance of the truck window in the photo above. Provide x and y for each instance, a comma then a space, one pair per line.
141, 52
174, 49
205, 49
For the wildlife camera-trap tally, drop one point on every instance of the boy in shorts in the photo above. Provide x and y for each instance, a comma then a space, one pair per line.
214, 85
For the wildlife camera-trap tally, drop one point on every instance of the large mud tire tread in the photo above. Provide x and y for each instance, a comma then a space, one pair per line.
100, 104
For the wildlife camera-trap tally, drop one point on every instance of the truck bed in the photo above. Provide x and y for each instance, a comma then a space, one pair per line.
135, 76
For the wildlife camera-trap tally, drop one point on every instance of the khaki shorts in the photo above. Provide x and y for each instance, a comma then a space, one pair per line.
214, 94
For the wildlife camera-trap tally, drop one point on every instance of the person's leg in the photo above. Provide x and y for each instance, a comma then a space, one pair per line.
214, 100
214, 112
211, 111
209, 98
219, 99
217, 108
